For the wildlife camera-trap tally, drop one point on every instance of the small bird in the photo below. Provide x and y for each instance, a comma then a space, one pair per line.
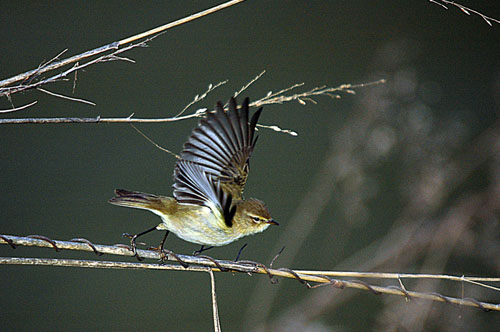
208, 207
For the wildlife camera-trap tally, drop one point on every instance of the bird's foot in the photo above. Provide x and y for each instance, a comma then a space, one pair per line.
240, 251
133, 245
202, 249
163, 253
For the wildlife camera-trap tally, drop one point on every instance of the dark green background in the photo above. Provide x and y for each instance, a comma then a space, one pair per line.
443, 72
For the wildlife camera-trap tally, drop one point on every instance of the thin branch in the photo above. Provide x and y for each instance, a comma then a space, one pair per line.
380, 275
4, 90
98, 264
280, 98
198, 98
53, 59
120, 250
179, 22
465, 10
278, 129
8, 91
66, 97
154, 143
270, 98
215, 265
98, 119
112, 46
215, 308
75, 79
246, 86
19, 108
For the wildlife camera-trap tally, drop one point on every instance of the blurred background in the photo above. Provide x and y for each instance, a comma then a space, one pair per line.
400, 177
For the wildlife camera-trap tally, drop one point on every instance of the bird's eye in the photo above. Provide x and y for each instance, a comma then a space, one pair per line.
256, 219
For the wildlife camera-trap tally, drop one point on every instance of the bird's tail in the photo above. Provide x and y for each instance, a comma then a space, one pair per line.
137, 200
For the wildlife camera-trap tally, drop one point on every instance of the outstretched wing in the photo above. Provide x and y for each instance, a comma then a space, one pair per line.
194, 186
222, 144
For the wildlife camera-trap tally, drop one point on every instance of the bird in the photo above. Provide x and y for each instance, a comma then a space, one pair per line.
208, 207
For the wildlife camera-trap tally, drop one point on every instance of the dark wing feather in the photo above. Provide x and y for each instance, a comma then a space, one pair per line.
194, 186
222, 144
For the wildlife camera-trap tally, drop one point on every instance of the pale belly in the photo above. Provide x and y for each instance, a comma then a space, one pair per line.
201, 227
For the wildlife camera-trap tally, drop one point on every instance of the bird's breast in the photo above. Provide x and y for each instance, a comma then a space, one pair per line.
198, 224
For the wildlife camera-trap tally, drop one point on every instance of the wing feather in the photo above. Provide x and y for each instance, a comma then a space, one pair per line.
222, 144
193, 186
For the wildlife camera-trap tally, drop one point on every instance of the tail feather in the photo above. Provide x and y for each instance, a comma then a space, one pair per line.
137, 200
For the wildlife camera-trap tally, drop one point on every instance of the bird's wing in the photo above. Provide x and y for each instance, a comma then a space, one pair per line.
222, 144
194, 186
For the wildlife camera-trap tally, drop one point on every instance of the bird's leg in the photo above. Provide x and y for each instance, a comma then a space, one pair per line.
134, 239
163, 256
164, 252
202, 249
240, 251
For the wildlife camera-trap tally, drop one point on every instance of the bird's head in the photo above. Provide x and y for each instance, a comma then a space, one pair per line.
252, 216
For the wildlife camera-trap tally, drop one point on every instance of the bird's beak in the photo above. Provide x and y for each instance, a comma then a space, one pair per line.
273, 222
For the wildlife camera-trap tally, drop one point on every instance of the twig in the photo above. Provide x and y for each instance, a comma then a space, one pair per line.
179, 22
279, 97
278, 129
465, 10
8, 91
97, 264
95, 120
53, 59
66, 97
112, 46
244, 87
198, 98
154, 143
118, 250
379, 275
270, 98
19, 108
215, 308
206, 263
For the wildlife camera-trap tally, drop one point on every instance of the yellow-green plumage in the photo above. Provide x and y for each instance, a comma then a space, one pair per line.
194, 223
208, 206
